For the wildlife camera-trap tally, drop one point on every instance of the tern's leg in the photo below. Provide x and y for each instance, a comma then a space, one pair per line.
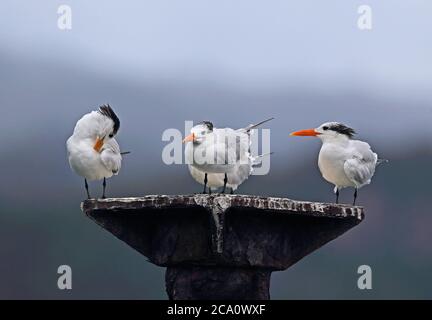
225, 183
87, 189
104, 187
205, 184
210, 190
232, 191
355, 196
337, 195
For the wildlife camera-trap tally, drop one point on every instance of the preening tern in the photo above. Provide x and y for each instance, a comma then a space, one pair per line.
343, 161
92, 150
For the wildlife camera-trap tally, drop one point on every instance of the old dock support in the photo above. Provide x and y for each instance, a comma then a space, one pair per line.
221, 246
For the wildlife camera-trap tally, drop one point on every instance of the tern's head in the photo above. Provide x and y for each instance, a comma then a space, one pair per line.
98, 126
199, 132
328, 131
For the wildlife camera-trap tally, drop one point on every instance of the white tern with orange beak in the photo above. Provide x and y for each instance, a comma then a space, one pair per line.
220, 152
93, 152
343, 161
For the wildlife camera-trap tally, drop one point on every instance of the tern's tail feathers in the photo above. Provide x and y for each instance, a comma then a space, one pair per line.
253, 126
256, 161
379, 161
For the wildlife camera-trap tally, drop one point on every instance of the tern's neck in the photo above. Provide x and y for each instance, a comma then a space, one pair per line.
339, 139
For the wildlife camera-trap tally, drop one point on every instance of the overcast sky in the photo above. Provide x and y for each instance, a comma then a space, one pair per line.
247, 40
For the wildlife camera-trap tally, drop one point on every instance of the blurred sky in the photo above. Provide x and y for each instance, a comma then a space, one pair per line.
251, 41
233, 62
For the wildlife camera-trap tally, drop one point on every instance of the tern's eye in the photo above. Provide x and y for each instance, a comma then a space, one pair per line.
325, 128
111, 135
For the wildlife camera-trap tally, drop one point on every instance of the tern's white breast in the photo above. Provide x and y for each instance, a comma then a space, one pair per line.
216, 180
85, 161
331, 164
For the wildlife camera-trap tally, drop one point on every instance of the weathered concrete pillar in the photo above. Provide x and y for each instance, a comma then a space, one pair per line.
221, 246
217, 283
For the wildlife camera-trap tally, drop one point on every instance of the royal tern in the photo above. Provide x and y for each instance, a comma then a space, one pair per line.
220, 152
92, 150
343, 161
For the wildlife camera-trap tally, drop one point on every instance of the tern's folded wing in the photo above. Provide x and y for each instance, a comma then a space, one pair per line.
111, 157
361, 167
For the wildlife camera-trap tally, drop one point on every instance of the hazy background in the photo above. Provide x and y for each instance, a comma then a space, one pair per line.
161, 62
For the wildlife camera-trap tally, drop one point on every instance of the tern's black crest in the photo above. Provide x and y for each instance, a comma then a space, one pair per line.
208, 124
343, 129
107, 111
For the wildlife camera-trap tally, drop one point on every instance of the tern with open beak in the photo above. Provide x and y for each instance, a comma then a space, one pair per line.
343, 161
220, 157
92, 150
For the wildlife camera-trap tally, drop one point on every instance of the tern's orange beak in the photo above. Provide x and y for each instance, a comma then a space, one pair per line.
307, 132
98, 145
190, 137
